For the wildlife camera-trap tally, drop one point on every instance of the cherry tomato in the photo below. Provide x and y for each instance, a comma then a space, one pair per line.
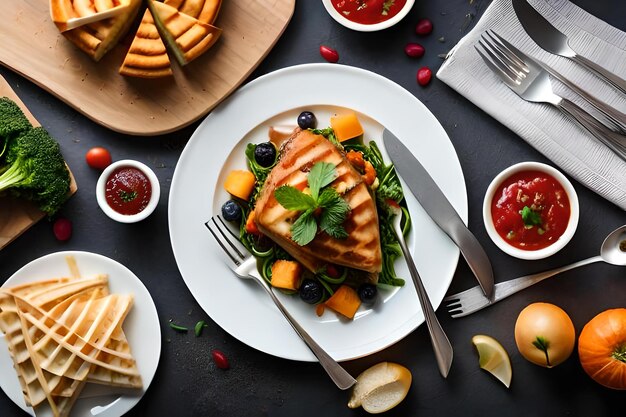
414, 50
62, 229
424, 27
329, 54
423, 76
220, 359
98, 158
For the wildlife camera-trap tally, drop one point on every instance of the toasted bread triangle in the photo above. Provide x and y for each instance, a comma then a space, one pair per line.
147, 56
70, 14
185, 36
63, 333
361, 249
96, 39
205, 11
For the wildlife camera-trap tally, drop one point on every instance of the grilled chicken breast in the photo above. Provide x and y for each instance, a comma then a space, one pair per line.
361, 249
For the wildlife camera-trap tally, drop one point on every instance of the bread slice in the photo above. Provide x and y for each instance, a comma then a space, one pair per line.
204, 10
147, 56
98, 38
70, 14
361, 249
186, 37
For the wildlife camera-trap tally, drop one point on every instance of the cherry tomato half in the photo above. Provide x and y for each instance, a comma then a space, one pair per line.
98, 158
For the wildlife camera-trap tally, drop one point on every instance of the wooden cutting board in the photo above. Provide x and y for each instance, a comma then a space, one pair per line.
32, 46
16, 216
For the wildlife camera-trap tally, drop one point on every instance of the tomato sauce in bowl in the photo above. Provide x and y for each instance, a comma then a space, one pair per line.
368, 15
530, 210
368, 12
128, 190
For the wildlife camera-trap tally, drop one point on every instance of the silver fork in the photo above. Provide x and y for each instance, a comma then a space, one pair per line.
244, 265
532, 83
472, 300
438, 338
613, 118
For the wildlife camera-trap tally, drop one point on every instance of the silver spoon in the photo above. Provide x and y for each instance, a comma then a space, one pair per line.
612, 251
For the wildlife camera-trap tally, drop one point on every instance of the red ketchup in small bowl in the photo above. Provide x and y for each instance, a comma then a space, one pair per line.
128, 190
368, 12
530, 210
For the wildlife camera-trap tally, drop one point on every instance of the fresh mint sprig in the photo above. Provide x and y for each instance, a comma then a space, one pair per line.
332, 207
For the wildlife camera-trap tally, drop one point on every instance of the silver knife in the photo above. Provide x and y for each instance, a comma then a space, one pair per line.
439, 208
552, 40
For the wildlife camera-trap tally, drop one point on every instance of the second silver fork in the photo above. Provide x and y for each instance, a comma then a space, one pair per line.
244, 266
532, 83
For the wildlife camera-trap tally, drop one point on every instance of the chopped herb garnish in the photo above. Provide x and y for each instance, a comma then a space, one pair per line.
127, 196
542, 344
178, 328
334, 209
386, 6
531, 217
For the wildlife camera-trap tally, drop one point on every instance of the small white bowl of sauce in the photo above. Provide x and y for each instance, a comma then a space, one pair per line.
531, 210
368, 15
128, 191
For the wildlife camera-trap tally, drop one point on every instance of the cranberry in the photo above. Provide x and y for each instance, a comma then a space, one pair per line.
62, 229
424, 27
220, 359
414, 50
424, 75
329, 54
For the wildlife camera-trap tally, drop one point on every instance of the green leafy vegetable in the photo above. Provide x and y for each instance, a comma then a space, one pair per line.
334, 209
531, 217
35, 170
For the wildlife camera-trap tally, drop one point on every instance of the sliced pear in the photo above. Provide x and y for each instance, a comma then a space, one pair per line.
381, 387
493, 358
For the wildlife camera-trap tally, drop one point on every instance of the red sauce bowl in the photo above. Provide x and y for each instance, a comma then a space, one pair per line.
530, 210
344, 12
128, 191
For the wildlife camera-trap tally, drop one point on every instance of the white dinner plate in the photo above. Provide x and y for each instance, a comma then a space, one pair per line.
239, 306
141, 327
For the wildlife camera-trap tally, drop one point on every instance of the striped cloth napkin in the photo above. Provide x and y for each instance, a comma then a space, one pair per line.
544, 127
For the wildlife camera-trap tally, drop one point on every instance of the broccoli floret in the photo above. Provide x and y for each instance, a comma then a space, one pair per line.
35, 170
12, 122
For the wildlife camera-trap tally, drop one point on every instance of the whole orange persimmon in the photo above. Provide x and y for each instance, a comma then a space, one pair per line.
602, 348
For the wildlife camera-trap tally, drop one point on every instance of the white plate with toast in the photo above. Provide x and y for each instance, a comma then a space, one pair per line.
140, 329
240, 306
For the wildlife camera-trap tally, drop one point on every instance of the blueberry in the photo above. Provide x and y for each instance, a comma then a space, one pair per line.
311, 291
307, 120
265, 154
368, 293
231, 211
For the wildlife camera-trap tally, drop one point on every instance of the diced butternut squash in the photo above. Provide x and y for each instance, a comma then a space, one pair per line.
346, 126
286, 274
344, 301
240, 183
251, 226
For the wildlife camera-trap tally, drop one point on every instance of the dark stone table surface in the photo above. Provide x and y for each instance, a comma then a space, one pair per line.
187, 382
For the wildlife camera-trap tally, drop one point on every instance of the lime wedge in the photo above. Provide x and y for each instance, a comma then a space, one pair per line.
492, 357
381, 387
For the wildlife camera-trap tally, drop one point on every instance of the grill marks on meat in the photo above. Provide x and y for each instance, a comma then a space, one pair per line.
361, 249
